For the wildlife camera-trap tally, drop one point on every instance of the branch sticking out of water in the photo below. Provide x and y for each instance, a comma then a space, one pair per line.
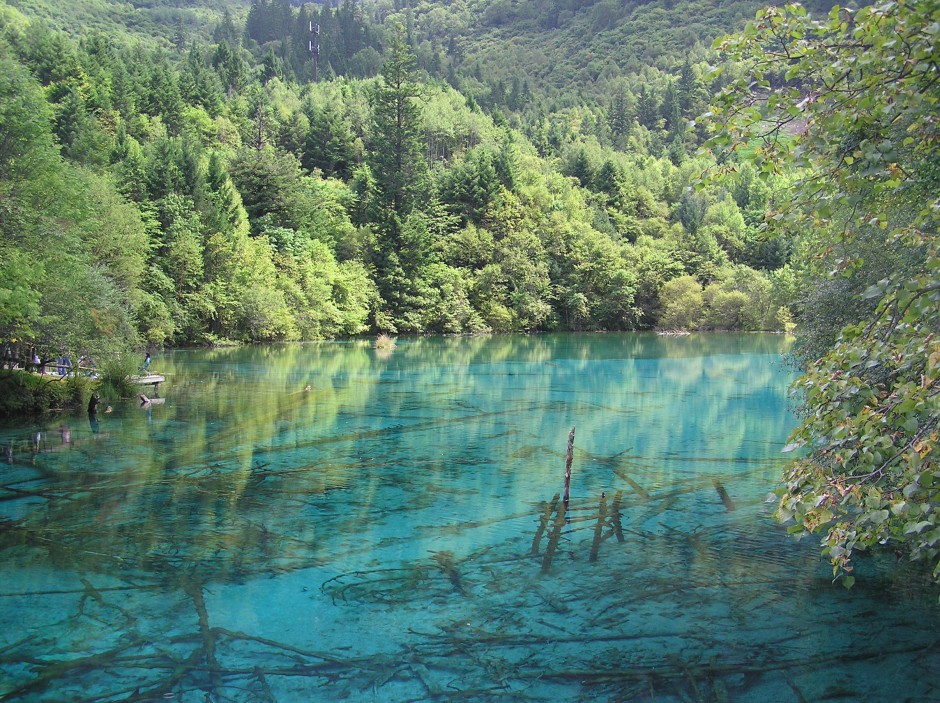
569, 456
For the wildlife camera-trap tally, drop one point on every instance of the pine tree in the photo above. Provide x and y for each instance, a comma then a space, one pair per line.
619, 114
397, 155
229, 65
330, 144
608, 178
221, 205
123, 98
226, 31
258, 23
647, 107
671, 110
686, 88
581, 169
165, 98
398, 168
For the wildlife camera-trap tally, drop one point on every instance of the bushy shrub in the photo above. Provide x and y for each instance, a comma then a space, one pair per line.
115, 374
29, 394
683, 305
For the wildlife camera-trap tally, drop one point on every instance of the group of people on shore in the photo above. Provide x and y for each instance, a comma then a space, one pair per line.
11, 359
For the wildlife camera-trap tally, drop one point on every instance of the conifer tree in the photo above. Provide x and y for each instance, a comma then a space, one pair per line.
226, 31
397, 159
165, 98
398, 168
618, 115
330, 144
230, 66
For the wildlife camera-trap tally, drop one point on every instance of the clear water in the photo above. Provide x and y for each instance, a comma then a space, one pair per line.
395, 533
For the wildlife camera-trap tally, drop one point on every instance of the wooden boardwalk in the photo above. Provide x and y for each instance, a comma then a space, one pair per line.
150, 379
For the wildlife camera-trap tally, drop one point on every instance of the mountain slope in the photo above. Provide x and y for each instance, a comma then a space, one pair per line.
152, 21
576, 47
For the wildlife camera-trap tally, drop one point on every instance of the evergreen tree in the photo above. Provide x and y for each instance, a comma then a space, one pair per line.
258, 24
581, 169
506, 161
69, 119
123, 96
199, 85
686, 89
226, 31
671, 110
129, 166
351, 29
608, 178
229, 65
647, 107
271, 66
397, 154
165, 99
222, 204
330, 143
471, 186
618, 114
398, 167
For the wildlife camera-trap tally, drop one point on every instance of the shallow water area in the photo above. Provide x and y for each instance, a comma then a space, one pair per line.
326, 522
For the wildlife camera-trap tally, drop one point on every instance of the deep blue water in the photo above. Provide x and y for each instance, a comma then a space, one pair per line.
396, 533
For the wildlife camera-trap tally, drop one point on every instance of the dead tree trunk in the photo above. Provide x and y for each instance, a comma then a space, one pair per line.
569, 456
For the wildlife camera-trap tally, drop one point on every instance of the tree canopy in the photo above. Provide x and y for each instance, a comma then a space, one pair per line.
848, 104
216, 189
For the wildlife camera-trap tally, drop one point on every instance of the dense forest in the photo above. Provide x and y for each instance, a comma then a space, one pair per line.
217, 171
224, 182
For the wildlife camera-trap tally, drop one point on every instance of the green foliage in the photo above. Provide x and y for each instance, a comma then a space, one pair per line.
742, 301
68, 278
19, 299
683, 304
870, 476
29, 394
203, 189
330, 144
115, 372
848, 110
397, 163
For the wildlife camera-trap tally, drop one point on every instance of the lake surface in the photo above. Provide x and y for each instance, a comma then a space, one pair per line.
396, 532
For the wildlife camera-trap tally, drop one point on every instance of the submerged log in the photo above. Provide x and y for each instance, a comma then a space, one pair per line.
633, 484
560, 521
193, 589
424, 676
615, 516
723, 494
445, 562
599, 528
543, 524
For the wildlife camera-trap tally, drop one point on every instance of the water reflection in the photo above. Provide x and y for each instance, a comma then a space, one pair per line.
323, 522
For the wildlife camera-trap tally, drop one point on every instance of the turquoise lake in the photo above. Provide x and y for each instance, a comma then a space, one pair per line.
331, 522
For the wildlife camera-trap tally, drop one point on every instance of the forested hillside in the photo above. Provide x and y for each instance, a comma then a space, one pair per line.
202, 176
